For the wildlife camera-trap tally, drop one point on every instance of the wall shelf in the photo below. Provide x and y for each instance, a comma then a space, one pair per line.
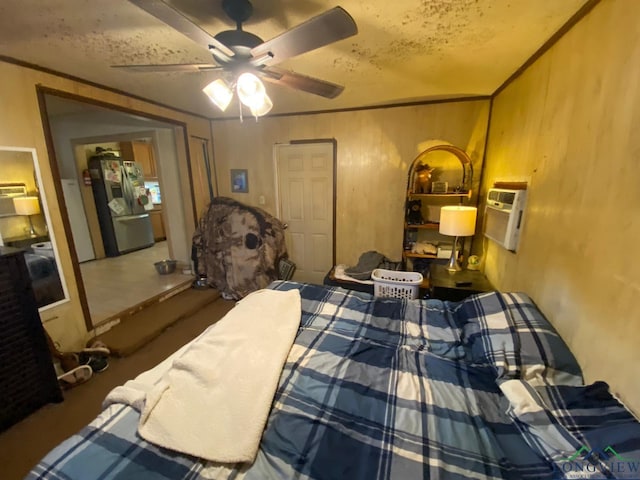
427, 206
408, 254
430, 225
442, 195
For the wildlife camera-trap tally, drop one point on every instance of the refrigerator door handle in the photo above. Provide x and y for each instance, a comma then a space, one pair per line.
127, 187
126, 218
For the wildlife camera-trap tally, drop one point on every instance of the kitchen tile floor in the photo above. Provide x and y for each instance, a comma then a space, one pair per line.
116, 284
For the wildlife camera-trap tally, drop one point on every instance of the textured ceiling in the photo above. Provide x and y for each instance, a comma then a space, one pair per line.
405, 51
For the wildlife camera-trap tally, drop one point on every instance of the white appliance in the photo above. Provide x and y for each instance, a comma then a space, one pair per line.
503, 216
77, 219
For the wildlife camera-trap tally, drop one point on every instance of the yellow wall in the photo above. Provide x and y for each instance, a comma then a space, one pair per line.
375, 150
21, 125
568, 125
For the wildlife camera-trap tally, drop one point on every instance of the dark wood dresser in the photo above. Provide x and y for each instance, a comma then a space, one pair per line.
27, 376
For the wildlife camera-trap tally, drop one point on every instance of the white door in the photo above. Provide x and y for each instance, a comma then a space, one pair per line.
305, 174
77, 219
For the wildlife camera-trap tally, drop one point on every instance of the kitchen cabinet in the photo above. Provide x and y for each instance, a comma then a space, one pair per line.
440, 175
141, 152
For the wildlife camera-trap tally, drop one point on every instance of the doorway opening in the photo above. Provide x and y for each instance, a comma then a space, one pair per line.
121, 185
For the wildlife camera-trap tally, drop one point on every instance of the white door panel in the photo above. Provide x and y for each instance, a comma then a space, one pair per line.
305, 188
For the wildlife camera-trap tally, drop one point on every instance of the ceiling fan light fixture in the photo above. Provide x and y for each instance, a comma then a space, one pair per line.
219, 93
263, 108
237, 51
251, 91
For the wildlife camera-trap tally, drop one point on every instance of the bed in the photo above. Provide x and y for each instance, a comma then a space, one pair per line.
384, 388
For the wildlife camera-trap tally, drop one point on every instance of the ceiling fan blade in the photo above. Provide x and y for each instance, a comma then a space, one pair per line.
328, 27
316, 86
172, 17
171, 67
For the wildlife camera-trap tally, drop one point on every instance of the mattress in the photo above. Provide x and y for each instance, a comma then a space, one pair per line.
399, 389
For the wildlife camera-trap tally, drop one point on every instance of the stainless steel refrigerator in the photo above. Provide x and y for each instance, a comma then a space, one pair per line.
121, 202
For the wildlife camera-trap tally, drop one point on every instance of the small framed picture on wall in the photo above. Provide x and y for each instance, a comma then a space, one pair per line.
239, 181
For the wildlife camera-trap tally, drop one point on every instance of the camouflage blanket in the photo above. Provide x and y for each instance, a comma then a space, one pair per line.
238, 247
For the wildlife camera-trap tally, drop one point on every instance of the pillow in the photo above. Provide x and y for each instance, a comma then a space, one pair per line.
509, 333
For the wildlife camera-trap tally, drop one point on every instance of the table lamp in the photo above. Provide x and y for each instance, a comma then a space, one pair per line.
457, 221
27, 206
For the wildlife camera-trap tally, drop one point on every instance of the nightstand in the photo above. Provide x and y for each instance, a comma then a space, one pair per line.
456, 286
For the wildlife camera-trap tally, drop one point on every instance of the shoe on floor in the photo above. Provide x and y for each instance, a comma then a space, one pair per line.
97, 347
75, 377
69, 361
101, 351
98, 363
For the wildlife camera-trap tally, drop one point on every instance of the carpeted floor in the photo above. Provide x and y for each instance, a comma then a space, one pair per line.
139, 328
25, 443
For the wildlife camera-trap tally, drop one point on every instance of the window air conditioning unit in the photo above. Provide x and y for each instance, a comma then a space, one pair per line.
503, 216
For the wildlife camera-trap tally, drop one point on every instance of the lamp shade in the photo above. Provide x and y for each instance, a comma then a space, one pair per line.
219, 93
26, 205
458, 221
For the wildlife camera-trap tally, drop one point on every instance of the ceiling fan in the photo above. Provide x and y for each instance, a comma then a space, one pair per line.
237, 51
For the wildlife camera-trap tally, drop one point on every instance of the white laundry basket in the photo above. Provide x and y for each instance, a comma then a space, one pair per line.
393, 284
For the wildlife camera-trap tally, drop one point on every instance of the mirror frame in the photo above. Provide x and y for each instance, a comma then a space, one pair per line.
47, 218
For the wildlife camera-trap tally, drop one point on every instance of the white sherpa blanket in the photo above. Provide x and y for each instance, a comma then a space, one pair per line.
214, 400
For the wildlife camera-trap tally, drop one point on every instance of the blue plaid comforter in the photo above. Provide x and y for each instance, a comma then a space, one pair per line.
372, 389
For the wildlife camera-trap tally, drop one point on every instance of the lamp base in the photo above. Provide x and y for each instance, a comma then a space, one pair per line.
32, 231
453, 266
